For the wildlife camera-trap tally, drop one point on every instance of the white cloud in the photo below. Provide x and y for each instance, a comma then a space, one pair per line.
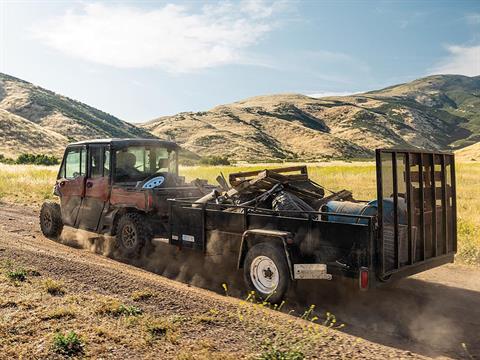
332, 93
462, 60
473, 19
171, 37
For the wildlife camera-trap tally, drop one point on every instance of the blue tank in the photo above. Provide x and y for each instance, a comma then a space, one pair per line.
366, 209
350, 208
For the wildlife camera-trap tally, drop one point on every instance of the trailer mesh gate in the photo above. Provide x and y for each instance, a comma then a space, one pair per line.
416, 208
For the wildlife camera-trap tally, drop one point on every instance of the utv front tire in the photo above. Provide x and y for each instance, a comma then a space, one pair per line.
133, 232
266, 272
51, 222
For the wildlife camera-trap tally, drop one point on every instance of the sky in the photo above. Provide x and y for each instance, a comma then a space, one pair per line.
143, 59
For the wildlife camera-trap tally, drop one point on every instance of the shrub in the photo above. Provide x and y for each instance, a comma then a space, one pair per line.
54, 287
157, 330
129, 310
37, 159
188, 162
215, 160
69, 344
276, 354
161, 329
141, 295
17, 275
6, 160
113, 307
60, 313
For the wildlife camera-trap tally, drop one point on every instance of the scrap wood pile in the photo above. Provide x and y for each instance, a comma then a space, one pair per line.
288, 191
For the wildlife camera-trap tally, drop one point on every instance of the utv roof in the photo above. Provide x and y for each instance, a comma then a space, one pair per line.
120, 143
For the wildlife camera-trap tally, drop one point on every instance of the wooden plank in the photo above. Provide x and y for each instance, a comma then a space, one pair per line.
235, 178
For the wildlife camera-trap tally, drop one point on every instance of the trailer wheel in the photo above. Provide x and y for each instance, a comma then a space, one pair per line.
266, 272
133, 232
51, 222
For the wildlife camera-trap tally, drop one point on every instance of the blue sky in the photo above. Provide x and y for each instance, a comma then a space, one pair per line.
140, 60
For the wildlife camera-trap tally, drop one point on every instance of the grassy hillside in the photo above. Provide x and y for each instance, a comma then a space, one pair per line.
437, 112
469, 153
36, 120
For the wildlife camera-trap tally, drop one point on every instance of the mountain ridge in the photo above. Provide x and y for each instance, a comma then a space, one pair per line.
438, 112
37, 120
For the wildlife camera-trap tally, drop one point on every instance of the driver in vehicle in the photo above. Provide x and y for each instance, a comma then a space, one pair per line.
126, 167
163, 164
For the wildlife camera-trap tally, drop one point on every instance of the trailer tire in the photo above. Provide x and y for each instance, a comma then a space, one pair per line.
133, 232
266, 272
51, 222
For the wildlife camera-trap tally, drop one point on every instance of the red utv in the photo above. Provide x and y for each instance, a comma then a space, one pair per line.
117, 187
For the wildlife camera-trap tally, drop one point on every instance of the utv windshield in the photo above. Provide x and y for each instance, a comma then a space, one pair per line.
136, 163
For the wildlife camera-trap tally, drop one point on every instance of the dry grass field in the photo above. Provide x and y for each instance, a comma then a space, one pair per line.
30, 185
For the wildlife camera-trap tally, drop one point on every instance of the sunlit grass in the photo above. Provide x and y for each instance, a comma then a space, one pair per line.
26, 184
30, 184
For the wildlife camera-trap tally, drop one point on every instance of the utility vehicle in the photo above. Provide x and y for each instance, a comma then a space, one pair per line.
131, 189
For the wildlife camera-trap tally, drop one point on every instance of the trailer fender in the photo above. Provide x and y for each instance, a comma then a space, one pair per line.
254, 236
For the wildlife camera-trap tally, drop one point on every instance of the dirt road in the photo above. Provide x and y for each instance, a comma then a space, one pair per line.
430, 314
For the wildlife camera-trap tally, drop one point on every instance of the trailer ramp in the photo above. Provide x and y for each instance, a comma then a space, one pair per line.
416, 211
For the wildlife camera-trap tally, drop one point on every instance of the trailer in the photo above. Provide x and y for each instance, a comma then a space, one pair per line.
410, 227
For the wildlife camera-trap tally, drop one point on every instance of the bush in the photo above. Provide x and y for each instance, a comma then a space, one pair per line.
188, 162
275, 354
60, 313
17, 275
54, 288
69, 344
5, 160
37, 159
215, 160
141, 295
114, 308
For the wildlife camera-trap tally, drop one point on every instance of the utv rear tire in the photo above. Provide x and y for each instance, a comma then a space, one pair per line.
133, 232
51, 222
266, 272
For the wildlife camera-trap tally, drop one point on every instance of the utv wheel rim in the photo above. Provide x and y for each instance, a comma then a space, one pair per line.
264, 274
47, 220
129, 236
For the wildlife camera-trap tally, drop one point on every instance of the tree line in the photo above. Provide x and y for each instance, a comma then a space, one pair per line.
35, 159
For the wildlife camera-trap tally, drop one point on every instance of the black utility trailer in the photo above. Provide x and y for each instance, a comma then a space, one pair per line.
280, 225
411, 227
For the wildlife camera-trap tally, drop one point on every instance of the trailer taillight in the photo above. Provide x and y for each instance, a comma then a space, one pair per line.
364, 278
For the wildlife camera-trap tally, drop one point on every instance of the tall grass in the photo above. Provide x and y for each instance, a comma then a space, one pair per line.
26, 184
31, 184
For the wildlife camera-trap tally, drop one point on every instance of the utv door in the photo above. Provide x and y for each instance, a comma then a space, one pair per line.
416, 211
97, 188
71, 183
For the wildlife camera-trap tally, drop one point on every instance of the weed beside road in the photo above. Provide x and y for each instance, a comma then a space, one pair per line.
80, 323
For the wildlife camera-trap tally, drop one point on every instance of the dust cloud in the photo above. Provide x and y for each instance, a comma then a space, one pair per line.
411, 314
210, 270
